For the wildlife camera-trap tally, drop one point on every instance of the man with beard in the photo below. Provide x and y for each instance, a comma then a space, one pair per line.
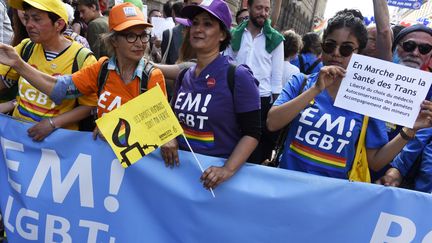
412, 48
256, 44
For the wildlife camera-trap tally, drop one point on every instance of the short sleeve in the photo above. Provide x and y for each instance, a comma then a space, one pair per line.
88, 100
246, 94
376, 134
86, 79
6, 71
90, 60
291, 89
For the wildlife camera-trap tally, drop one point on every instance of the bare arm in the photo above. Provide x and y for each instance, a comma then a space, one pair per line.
169, 71
280, 116
7, 106
41, 81
73, 116
378, 158
215, 175
384, 33
43, 128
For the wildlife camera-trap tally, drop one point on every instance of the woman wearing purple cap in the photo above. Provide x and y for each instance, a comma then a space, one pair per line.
220, 115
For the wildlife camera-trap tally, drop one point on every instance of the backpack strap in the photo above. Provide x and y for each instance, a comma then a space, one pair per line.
231, 77
80, 57
148, 69
280, 142
177, 85
27, 50
102, 76
301, 62
314, 64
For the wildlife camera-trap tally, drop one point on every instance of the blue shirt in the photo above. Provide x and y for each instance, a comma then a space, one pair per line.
308, 59
419, 146
322, 139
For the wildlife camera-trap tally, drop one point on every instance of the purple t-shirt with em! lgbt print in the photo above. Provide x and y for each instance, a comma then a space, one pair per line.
322, 138
207, 109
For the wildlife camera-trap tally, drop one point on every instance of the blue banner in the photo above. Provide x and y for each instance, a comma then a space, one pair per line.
70, 188
412, 4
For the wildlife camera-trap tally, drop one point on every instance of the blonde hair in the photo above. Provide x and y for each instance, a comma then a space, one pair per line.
106, 40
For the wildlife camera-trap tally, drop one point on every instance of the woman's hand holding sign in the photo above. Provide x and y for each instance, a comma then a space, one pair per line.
424, 119
328, 75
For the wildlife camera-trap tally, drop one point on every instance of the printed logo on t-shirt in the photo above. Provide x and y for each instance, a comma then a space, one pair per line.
322, 148
108, 102
34, 104
191, 111
211, 82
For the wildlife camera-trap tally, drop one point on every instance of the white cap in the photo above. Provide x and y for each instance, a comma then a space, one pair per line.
71, 12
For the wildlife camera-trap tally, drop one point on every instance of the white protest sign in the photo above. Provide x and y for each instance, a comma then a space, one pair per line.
383, 90
160, 25
144, 11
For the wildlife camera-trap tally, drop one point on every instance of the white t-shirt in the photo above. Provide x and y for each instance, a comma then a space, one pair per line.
288, 71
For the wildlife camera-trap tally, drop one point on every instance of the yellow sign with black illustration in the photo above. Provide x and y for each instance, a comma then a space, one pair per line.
140, 126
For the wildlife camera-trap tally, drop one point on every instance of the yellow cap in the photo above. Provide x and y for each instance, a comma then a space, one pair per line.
53, 6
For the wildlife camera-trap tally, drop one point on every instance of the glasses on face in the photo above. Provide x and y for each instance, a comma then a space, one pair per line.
410, 46
345, 49
132, 37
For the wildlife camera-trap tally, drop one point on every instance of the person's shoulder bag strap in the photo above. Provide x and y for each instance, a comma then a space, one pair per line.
165, 55
280, 142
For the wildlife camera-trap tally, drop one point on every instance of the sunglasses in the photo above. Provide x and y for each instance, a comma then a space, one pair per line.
410, 46
345, 50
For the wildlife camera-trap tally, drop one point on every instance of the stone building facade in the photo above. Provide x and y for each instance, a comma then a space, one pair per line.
295, 14
300, 15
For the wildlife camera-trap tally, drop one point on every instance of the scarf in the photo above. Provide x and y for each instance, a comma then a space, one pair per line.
273, 37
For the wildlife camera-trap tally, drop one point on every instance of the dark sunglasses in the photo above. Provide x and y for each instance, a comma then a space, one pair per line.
132, 37
410, 46
345, 50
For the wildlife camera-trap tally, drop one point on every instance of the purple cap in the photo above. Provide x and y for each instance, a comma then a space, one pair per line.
217, 8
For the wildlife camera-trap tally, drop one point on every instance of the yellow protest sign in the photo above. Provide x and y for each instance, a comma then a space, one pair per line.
140, 126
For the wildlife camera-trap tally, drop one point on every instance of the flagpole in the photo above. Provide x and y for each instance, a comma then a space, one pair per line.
199, 163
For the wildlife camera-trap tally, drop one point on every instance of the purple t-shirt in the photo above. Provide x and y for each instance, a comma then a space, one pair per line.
207, 109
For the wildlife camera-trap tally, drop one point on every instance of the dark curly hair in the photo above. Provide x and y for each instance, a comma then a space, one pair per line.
354, 12
351, 19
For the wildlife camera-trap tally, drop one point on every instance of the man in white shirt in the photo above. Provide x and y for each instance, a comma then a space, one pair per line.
256, 44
